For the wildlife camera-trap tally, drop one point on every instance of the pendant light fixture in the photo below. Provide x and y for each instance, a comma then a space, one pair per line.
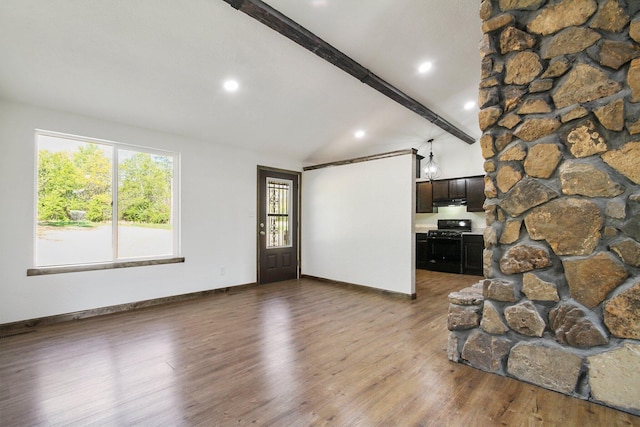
431, 169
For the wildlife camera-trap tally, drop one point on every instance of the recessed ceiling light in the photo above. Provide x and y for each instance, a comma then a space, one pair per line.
359, 134
425, 67
318, 3
231, 85
469, 105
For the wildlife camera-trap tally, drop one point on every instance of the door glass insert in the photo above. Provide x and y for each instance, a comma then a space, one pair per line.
278, 213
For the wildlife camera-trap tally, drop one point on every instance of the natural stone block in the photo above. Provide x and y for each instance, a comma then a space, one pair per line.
634, 29
453, 354
584, 140
488, 97
542, 160
498, 22
490, 236
522, 68
491, 321
562, 15
533, 129
511, 232
621, 313
512, 97
614, 377
489, 82
463, 317
467, 296
534, 106
557, 67
625, 160
507, 177
537, 289
499, 290
485, 47
488, 117
541, 85
525, 319
583, 84
633, 127
503, 140
487, 262
510, 121
616, 209
486, 68
520, 4
525, 195
571, 226
610, 231
572, 326
628, 250
515, 153
592, 279
485, 9
552, 368
633, 80
486, 352
632, 228
521, 258
490, 191
486, 145
568, 41
489, 166
513, 39
611, 115
610, 17
587, 180
574, 113
614, 54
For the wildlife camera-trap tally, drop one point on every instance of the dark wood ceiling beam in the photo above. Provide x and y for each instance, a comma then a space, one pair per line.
277, 21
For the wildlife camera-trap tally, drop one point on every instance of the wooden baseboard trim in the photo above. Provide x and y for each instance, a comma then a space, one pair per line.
362, 287
26, 326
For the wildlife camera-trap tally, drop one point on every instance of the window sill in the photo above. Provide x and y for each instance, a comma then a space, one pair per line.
108, 266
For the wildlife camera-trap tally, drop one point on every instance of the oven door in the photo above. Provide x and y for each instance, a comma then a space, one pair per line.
444, 254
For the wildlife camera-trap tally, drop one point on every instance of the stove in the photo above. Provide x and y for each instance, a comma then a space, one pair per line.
444, 245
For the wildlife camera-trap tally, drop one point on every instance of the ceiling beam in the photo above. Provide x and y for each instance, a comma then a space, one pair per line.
277, 21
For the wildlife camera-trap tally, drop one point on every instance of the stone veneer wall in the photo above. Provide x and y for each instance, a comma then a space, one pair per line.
560, 114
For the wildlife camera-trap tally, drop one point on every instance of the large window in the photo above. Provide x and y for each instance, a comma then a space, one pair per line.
102, 202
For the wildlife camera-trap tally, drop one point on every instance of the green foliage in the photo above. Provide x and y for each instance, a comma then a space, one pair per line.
144, 189
81, 180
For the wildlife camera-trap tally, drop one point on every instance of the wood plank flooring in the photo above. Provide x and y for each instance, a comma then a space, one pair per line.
294, 353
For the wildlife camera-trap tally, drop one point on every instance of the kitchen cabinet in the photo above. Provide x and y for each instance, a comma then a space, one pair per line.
424, 199
475, 193
472, 248
447, 189
422, 250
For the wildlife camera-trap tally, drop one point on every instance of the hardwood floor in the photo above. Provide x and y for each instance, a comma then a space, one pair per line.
294, 353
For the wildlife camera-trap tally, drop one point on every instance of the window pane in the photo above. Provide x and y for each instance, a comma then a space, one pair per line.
145, 226
74, 202
278, 213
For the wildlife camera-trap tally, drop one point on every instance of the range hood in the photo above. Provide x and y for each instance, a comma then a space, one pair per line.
450, 202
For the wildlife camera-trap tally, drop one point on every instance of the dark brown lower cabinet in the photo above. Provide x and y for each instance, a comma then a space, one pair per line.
472, 248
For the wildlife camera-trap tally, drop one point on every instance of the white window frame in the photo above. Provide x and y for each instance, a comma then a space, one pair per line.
114, 262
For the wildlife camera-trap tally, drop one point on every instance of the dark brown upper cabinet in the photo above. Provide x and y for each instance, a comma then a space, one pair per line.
424, 199
447, 189
475, 193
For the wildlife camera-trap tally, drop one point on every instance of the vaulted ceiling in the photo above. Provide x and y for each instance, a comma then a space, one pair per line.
160, 64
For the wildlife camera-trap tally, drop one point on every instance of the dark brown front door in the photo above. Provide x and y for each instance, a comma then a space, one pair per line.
278, 240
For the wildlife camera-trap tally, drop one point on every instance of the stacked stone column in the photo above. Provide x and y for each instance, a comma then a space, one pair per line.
560, 115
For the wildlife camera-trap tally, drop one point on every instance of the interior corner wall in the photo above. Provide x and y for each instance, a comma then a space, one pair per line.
218, 222
357, 223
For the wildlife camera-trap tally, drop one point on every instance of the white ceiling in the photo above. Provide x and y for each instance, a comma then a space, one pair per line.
159, 64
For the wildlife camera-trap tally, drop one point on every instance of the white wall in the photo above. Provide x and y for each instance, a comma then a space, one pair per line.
218, 219
357, 223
